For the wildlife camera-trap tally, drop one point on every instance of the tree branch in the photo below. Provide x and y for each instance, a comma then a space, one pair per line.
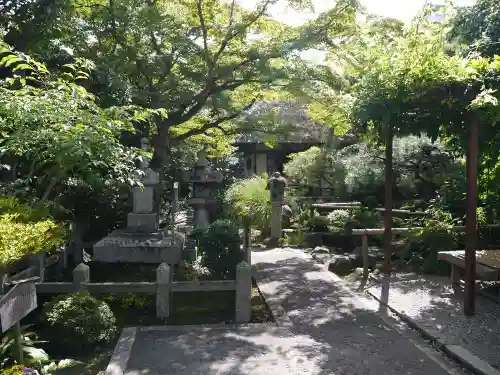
205, 36
215, 124
231, 35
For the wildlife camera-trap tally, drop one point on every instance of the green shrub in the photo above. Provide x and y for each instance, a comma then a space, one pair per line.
318, 223
338, 219
18, 239
15, 370
220, 249
250, 198
78, 321
23, 213
33, 355
422, 246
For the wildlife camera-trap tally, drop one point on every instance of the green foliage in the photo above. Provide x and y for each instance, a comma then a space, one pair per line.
198, 60
249, 199
294, 238
23, 213
34, 356
357, 171
78, 322
338, 219
422, 246
14, 370
220, 249
26, 231
476, 27
317, 223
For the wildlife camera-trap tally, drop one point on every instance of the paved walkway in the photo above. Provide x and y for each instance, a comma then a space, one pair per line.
323, 330
350, 336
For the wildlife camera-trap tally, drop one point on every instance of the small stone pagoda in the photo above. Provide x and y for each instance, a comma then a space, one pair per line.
205, 183
141, 241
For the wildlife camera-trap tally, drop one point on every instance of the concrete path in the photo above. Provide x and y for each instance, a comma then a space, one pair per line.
349, 335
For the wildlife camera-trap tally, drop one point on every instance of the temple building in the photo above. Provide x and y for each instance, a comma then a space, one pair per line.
299, 133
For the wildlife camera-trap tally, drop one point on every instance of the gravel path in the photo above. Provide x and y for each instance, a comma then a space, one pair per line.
435, 306
353, 338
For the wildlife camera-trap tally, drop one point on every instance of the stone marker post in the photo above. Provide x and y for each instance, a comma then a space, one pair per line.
144, 215
276, 186
243, 292
163, 291
81, 277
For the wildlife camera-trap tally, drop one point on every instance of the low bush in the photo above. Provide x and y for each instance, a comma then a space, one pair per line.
19, 370
78, 322
34, 356
422, 246
318, 223
250, 199
338, 219
220, 249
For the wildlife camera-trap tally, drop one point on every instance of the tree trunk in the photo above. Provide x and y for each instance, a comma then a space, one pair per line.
159, 162
388, 202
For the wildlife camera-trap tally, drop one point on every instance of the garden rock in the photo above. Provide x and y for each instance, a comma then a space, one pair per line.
322, 258
321, 250
340, 265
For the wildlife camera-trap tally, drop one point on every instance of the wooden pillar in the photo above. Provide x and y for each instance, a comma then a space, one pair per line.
471, 221
388, 202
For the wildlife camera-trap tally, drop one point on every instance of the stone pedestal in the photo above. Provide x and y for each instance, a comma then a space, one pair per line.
141, 241
276, 186
276, 220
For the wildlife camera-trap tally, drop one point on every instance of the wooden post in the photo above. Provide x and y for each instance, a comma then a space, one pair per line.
471, 221
175, 199
62, 263
163, 291
37, 261
18, 348
81, 277
243, 293
365, 256
388, 202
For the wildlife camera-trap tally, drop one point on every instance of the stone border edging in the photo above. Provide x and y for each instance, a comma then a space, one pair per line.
278, 312
456, 352
121, 354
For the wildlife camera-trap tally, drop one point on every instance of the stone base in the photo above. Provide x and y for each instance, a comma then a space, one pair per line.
142, 223
125, 247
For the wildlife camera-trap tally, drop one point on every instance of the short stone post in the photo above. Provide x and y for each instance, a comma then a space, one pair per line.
37, 261
243, 292
81, 277
246, 243
276, 185
163, 291
76, 243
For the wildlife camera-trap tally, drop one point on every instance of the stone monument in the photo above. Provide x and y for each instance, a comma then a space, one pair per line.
276, 186
141, 241
205, 183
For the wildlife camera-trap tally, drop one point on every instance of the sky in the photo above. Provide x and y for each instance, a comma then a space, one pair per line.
401, 9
